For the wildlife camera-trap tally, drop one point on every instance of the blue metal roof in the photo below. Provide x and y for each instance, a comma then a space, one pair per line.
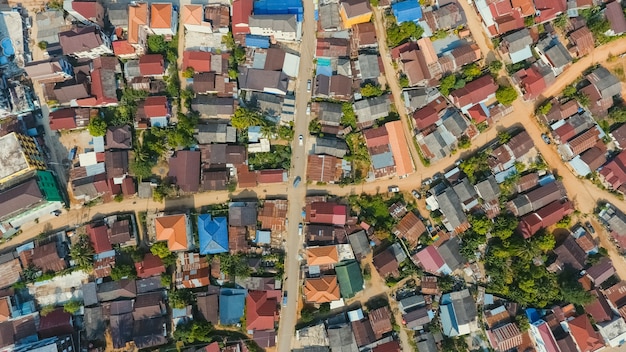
213, 234
232, 303
448, 320
279, 7
257, 41
407, 11
263, 237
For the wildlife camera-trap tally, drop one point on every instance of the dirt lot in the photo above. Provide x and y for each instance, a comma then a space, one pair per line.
80, 139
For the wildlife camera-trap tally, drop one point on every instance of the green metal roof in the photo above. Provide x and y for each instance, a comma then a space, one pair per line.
350, 278
48, 186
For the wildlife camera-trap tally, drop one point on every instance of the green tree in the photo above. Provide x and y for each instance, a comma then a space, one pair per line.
504, 137
123, 271
506, 95
561, 21
348, 117
189, 72
445, 283
504, 226
181, 298
157, 44
30, 273
194, 331
160, 249
43, 45
471, 71
403, 81
480, 224
45, 310
166, 280
97, 127
495, 67
72, 306
244, 118
446, 84
571, 290
371, 90
141, 169
315, 126
464, 142
569, 91
522, 322
397, 34
583, 99
235, 265
544, 108
82, 253
285, 133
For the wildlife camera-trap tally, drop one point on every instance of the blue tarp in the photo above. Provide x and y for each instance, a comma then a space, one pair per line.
213, 234
279, 7
407, 11
257, 41
324, 70
232, 303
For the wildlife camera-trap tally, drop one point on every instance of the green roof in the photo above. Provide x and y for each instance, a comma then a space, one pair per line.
48, 186
350, 278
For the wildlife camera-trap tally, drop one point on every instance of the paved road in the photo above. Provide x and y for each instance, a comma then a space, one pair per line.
296, 195
392, 81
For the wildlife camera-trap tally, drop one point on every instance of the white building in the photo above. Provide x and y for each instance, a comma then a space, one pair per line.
280, 27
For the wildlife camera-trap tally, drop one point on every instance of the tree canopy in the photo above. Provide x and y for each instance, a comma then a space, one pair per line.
194, 331
244, 118
506, 95
157, 44
82, 253
97, 127
371, 90
397, 34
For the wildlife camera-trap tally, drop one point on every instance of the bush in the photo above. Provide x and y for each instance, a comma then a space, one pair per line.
97, 127
464, 142
370, 90
397, 34
43, 45
506, 95
122, 271
72, 306
188, 73
544, 108
495, 67
157, 44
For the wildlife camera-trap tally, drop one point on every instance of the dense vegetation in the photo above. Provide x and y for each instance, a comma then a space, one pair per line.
399, 33
279, 157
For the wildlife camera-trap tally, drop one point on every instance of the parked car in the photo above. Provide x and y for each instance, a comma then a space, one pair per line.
308, 86
589, 227
300, 229
300, 140
308, 109
394, 189
427, 181
416, 194
285, 299
296, 182
546, 138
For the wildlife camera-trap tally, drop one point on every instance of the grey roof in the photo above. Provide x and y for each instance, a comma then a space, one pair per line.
148, 284
448, 16
437, 144
19, 198
342, 339
144, 190
556, 53
90, 296
242, 215
209, 106
518, 40
94, 323
368, 65
371, 109
450, 252
215, 133
407, 303
607, 84
121, 328
449, 206
118, 14
329, 16
260, 80
465, 190
426, 342
417, 318
464, 306
282, 23
418, 97
360, 243
570, 253
109, 291
331, 146
131, 69
149, 332
455, 123
330, 113
269, 104
615, 219
49, 24
488, 189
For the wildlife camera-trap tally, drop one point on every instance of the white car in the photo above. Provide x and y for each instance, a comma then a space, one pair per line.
300, 140
308, 109
308, 86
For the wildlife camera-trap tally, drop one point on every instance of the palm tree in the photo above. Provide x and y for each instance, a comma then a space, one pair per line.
82, 253
267, 131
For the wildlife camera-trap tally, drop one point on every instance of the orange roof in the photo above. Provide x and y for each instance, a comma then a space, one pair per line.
122, 47
193, 14
173, 229
399, 148
586, 337
5, 311
322, 289
161, 15
323, 255
137, 17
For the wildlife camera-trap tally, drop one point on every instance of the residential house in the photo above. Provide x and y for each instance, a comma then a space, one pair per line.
119, 137
582, 41
262, 309
341, 338
350, 278
185, 170
325, 256
553, 53
586, 337
353, 12
599, 308
548, 10
329, 19
213, 107
458, 313
417, 318
199, 61
272, 215
426, 342
49, 71
377, 140
419, 61
367, 67
501, 17
619, 137
124, 50
440, 260
615, 16
380, 320
114, 290
505, 337
362, 330
445, 17
46, 257
86, 12
149, 266
192, 271
85, 43
407, 11
613, 174
148, 333
241, 12
371, 109
475, 92
149, 305
570, 254
208, 303
279, 27
542, 334
458, 57
152, 65
215, 133
56, 323
604, 86
615, 221
455, 220
99, 238
534, 79
386, 263
213, 234
321, 289
331, 146
232, 302
400, 150
410, 228
360, 244
336, 87
544, 217
176, 230
163, 19
274, 82
49, 24
324, 168
536, 199
192, 17
326, 213
138, 25
613, 332
601, 271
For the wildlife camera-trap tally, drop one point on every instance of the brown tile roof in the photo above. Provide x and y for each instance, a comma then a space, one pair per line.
47, 258
323, 255
207, 306
386, 264
322, 289
161, 15
599, 308
410, 228
582, 38
363, 333
323, 168
380, 320
272, 215
237, 241
185, 169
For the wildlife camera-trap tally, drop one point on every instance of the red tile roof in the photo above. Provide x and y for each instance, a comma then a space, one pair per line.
55, 323
62, 119
586, 337
475, 91
614, 173
271, 176
327, 213
375, 137
599, 308
549, 9
478, 113
123, 47
151, 64
241, 11
99, 238
544, 217
261, 309
155, 106
199, 60
150, 265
